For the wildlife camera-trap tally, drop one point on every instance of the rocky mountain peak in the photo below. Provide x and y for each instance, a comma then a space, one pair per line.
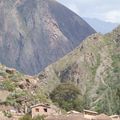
36, 33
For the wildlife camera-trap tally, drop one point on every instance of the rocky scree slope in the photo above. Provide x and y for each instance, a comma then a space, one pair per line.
94, 67
35, 33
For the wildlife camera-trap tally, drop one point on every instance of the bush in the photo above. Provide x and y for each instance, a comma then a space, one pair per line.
68, 97
39, 118
7, 114
13, 98
26, 117
8, 85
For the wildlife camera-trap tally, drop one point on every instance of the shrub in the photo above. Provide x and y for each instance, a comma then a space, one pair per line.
8, 85
39, 118
67, 96
7, 114
26, 117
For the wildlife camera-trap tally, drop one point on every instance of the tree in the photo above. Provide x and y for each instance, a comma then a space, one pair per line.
67, 96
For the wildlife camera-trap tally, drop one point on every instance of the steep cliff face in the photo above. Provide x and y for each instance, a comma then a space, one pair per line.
94, 67
35, 33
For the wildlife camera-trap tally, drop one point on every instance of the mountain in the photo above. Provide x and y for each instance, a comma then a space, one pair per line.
36, 33
94, 67
101, 26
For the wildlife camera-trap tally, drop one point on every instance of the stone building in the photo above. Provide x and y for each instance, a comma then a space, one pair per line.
44, 109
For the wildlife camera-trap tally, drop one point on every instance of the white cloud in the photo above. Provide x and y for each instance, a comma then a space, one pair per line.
106, 10
113, 16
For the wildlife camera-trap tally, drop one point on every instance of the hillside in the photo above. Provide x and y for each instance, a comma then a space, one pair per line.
94, 67
18, 91
36, 33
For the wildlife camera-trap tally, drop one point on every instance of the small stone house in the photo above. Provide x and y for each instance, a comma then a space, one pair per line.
88, 114
44, 109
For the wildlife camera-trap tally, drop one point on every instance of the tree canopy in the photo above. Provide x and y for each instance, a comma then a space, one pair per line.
67, 96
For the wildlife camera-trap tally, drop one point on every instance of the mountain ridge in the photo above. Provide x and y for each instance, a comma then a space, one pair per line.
34, 34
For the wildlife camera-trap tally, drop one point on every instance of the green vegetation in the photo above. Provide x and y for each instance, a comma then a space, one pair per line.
38, 118
28, 117
116, 63
40, 96
7, 114
8, 85
110, 100
3, 73
14, 99
16, 77
94, 68
68, 97
110, 103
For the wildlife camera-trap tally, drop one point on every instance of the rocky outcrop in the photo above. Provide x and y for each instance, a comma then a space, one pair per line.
36, 33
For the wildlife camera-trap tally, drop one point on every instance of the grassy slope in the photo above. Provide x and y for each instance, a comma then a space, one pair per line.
18, 88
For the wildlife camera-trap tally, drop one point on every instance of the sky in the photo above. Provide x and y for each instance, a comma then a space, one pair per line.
106, 10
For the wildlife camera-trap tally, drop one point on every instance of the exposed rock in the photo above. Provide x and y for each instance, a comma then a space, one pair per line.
36, 33
10, 70
1, 78
3, 95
